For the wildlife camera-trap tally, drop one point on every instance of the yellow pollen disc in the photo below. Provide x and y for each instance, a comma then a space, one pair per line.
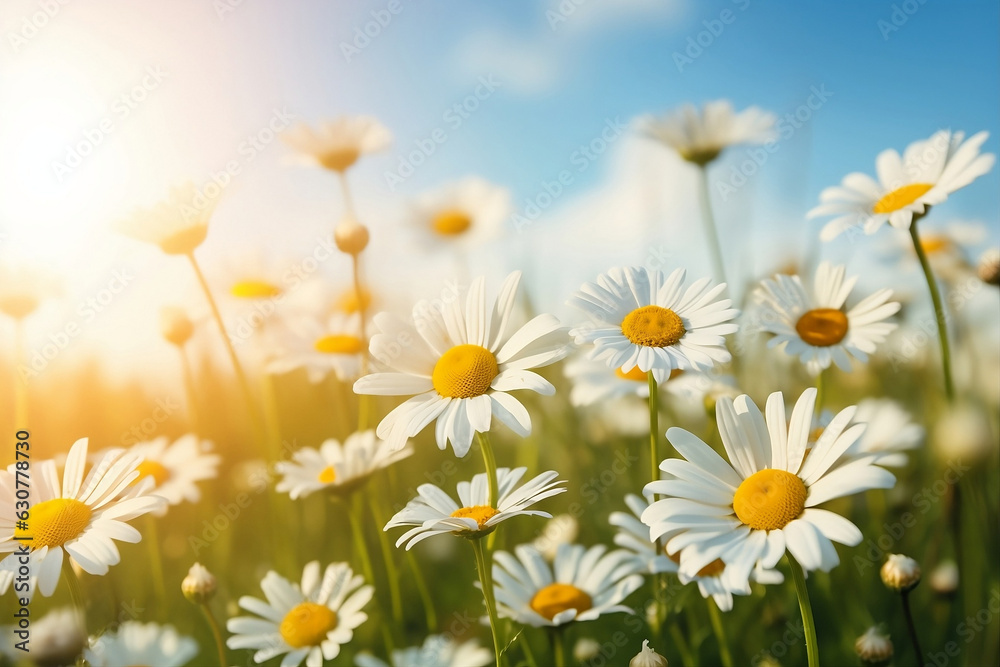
769, 499
339, 344
451, 222
151, 469
184, 241
713, 569
901, 197
255, 289
464, 371
556, 598
822, 327
353, 301
635, 374
55, 522
933, 244
307, 624
327, 476
18, 305
653, 326
481, 513
340, 159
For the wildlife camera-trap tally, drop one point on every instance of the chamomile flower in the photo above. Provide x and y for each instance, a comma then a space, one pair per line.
336, 468
641, 320
308, 621
57, 638
177, 224
816, 326
927, 172
437, 651
461, 363
890, 432
763, 500
176, 467
468, 212
135, 643
321, 346
337, 144
23, 288
700, 136
81, 517
560, 529
433, 512
580, 585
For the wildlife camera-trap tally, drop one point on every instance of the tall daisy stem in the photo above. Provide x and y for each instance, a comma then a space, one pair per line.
558, 646
364, 400
688, 658
939, 314
709, 219
156, 565
654, 429
720, 633
189, 388
808, 624
910, 627
73, 584
491, 467
430, 613
486, 579
216, 634
361, 549
821, 381
391, 571
345, 190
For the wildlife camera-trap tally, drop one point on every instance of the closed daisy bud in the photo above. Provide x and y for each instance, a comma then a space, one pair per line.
586, 649
199, 585
351, 236
873, 648
944, 578
647, 657
989, 267
900, 573
175, 325
963, 433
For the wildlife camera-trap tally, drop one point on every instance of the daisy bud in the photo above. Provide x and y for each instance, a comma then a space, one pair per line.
874, 648
647, 657
199, 585
989, 267
351, 236
944, 578
586, 649
963, 433
900, 573
175, 325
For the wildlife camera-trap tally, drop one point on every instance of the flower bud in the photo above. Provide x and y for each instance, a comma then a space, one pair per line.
586, 649
874, 648
351, 236
175, 325
989, 267
647, 657
900, 573
199, 585
944, 578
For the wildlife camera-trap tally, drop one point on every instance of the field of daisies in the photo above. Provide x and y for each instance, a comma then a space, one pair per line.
803, 474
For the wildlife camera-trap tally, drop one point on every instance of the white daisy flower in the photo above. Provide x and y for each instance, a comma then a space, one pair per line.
595, 383
23, 288
177, 224
889, 432
336, 468
337, 144
927, 172
699, 137
763, 500
176, 467
437, 651
560, 529
308, 621
57, 638
135, 643
461, 363
433, 512
468, 212
640, 320
320, 346
815, 327
581, 585
82, 517
946, 247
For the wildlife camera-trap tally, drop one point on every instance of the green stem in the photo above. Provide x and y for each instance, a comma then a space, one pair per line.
821, 382
73, 584
491, 466
709, 219
688, 658
364, 400
156, 565
390, 564
910, 627
189, 386
654, 429
558, 646
720, 633
808, 624
425, 594
361, 548
939, 314
486, 579
216, 634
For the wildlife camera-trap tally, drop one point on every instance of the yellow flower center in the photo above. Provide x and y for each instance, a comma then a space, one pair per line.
464, 371
340, 159
55, 522
713, 569
307, 624
18, 305
933, 244
151, 469
327, 476
901, 197
556, 598
653, 326
481, 513
255, 289
184, 241
339, 344
822, 327
637, 375
354, 301
769, 499
700, 156
451, 222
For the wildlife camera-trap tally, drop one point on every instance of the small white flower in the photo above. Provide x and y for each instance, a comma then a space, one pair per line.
57, 638
560, 529
944, 578
647, 657
176, 467
900, 573
437, 651
135, 643
199, 585
889, 434
468, 212
337, 144
320, 346
873, 647
23, 288
177, 224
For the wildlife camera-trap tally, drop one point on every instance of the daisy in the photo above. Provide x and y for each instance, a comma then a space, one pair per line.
336, 468
176, 467
594, 383
437, 651
470, 211
307, 622
337, 144
816, 327
461, 363
699, 138
946, 248
320, 346
889, 432
926, 173
82, 517
135, 643
57, 638
433, 512
581, 585
640, 320
560, 529
23, 288
763, 500
178, 224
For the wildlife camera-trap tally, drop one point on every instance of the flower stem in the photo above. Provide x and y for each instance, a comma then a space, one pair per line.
391, 572
73, 584
345, 190
189, 387
425, 594
216, 634
20, 383
720, 633
364, 400
361, 549
491, 467
710, 230
808, 624
821, 382
654, 429
910, 627
486, 579
558, 646
687, 657
156, 565
939, 314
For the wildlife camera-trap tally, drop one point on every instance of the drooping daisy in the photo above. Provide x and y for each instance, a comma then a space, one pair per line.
337, 144
927, 172
763, 501
82, 516
57, 638
320, 346
467, 212
433, 512
176, 467
641, 320
177, 224
437, 651
308, 621
815, 327
699, 137
581, 585
23, 288
336, 468
461, 363
135, 643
